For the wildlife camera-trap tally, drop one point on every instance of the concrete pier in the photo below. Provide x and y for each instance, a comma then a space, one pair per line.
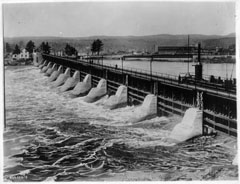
71, 82
82, 88
118, 100
147, 110
62, 78
190, 126
42, 65
45, 68
55, 74
51, 70
98, 92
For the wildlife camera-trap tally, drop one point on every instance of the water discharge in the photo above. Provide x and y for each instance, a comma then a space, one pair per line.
52, 136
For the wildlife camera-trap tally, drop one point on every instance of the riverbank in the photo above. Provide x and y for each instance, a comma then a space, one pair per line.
20, 62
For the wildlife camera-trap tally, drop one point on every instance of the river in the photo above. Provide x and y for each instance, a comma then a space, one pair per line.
51, 136
224, 70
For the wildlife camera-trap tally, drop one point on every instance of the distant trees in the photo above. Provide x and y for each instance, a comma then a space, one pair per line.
16, 49
97, 46
69, 50
30, 46
45, 48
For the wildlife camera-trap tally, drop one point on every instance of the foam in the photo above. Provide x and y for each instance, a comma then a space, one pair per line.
235, 160
62, 78
55, 74
117, 100
82, 87
71, 82
98, 92
190, 126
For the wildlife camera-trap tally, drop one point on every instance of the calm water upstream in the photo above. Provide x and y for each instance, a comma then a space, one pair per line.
225, 70
51, 136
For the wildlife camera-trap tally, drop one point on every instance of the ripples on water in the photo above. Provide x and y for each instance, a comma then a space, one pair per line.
52, 137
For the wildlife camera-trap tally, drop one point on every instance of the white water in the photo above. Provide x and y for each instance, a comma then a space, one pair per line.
33, 104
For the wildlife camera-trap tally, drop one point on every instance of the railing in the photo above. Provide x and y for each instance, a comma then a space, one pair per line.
169, 104
166, 78
220, 122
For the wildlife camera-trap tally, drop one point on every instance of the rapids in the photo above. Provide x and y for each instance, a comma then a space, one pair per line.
51, 136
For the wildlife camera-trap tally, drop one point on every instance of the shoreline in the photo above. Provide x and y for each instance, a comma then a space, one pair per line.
205, 61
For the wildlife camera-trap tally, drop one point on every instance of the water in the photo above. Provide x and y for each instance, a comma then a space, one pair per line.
226, 70
51, 136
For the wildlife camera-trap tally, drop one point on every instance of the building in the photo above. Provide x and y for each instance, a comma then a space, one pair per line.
172, 50
23, 55
16, 56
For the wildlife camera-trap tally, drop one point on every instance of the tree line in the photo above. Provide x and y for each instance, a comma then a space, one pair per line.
30, 46
96, 48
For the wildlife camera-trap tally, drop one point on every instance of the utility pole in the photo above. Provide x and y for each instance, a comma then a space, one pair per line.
188, 56
151, 67
122, 64
122, 68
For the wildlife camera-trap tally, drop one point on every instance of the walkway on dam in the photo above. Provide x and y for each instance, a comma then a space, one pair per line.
173, 80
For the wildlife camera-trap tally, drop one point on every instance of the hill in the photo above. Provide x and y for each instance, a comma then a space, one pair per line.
126, 43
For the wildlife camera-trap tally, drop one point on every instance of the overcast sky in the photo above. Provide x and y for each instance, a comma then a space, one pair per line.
118, 18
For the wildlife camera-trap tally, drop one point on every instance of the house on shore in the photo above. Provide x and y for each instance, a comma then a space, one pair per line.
23, 55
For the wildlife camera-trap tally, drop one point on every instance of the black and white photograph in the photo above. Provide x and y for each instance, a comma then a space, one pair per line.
123, 91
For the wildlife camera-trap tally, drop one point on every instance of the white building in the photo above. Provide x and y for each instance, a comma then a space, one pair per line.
15, 56
23, 55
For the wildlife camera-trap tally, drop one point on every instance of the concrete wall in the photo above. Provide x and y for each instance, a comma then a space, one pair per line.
35, 63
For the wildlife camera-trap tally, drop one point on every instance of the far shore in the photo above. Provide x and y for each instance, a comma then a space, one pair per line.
203, 60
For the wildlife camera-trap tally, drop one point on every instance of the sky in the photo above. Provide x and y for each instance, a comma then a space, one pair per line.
80, 19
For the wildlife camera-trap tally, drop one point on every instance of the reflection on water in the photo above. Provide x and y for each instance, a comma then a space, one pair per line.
52, 137
225, 70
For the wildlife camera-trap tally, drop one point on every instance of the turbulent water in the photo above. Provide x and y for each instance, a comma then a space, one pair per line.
51, 136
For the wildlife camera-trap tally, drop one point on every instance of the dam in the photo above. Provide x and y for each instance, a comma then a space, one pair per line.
168, 94
69, 120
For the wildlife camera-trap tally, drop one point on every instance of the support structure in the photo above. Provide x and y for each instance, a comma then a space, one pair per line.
172, 96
